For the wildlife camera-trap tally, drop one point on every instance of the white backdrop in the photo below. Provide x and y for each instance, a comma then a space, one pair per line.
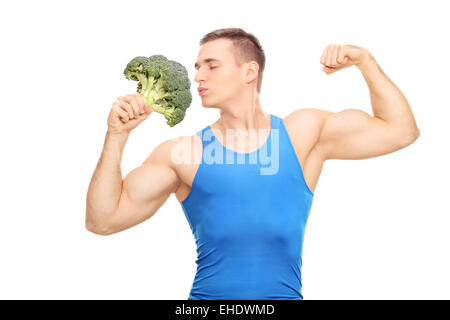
378, 228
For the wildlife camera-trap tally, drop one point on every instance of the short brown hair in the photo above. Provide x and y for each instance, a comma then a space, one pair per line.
246, 47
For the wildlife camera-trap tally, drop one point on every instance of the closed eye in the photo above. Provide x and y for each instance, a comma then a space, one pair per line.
212, 67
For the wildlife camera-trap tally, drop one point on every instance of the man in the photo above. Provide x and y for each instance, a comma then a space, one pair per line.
248, 223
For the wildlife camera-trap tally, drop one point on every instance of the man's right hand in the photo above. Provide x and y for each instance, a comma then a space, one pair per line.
127, 113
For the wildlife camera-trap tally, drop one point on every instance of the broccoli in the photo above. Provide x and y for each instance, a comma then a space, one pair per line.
164, 85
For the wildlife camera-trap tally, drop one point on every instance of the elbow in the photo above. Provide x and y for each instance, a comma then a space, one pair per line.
414, 135
100, 229
410, 137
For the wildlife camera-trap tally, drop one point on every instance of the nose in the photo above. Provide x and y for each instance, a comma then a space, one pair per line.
199, 77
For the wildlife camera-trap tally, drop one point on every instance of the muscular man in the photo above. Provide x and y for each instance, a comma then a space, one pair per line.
247, 218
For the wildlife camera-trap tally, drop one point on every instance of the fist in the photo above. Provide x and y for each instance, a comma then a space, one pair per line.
339, 56
127, 113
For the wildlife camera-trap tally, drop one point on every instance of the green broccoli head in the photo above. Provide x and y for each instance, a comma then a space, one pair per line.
164, 84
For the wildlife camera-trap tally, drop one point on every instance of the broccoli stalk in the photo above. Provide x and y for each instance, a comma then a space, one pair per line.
164, 85
153, 91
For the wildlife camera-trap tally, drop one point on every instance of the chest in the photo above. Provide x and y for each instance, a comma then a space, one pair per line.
302, 138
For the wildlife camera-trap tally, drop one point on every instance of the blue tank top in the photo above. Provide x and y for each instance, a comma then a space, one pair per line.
248, 219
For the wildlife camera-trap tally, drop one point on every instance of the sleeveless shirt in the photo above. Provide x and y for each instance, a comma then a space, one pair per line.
247, 213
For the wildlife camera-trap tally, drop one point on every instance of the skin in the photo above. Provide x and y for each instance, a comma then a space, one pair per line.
114, 205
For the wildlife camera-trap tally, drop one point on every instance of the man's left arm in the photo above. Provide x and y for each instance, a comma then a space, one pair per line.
354, 134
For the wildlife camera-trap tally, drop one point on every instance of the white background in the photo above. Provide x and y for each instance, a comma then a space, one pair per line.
378, 228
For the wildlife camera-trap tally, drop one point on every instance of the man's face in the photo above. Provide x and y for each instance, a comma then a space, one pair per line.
222, 77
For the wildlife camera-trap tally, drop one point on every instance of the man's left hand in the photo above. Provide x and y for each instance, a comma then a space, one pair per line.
339, 56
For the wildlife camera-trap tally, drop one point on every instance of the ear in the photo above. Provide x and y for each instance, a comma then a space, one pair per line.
251, 71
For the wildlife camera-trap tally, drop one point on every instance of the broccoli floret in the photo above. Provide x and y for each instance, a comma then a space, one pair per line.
164, 84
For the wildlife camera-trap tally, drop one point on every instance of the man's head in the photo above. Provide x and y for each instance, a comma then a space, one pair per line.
238, 69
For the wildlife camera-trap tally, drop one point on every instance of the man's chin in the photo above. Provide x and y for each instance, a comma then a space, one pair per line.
208, 106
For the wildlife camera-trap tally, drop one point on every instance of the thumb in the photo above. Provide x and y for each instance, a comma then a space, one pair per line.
148, 109
329, 70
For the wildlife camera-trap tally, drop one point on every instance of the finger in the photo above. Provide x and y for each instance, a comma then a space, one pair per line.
121, 113
141, 103
335, 55
327, 70
333, 69
340, 58
126, 106
148, 109
330, 56
326, 58
134, 105
324, 54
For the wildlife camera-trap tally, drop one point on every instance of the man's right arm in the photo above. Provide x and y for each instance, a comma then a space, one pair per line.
114, 205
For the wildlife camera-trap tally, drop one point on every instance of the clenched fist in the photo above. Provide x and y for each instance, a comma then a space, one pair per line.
339, 56
127, 113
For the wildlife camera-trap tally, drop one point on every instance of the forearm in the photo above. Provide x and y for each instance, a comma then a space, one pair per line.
388, 102
105, 187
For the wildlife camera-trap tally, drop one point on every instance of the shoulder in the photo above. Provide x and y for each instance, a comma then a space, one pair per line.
175, 150
310, 119
305, 125
313, 116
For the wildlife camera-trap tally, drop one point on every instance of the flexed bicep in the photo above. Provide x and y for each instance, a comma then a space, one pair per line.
144, 190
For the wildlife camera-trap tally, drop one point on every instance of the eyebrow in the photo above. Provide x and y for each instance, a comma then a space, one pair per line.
206, 60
